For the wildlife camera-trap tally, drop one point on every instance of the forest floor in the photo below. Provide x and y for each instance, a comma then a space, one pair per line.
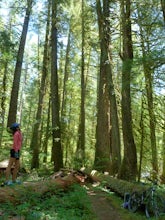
102, 206
107, 205
104, 203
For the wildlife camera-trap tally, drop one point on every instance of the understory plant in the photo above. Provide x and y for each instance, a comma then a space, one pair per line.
72, 204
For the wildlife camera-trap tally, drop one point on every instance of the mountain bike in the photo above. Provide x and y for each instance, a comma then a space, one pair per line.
153, 203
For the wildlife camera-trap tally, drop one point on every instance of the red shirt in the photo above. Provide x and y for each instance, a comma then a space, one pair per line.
17, 141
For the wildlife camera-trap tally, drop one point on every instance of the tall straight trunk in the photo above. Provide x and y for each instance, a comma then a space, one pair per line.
142, 138
102, 147
163, 151
35, 141
112, 144
3, 101
66, 77
45, 142
149, 89
163, 8
80, 151
57, 154
12, 116
129, 164
65, 103
148, 73
115, 148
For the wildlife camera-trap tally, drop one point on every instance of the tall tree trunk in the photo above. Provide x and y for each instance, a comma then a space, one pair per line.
129, 164
17, 73
149, 89
45, 142
64, 108
142, 138
80, 151
163, 8
112, 130
115, 151
148, 72
3, 101
57, 154
66, 76
102, 151
35, 141
163, 150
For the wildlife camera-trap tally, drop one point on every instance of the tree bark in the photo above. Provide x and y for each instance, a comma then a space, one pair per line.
102, 146
3, 101
107, 148
148, 74
120, 187
35, 144
142, 133
57, 153
80, 151
163, 150
46, 138
163, 8
14, 194
12, 116
128, 169
115, 146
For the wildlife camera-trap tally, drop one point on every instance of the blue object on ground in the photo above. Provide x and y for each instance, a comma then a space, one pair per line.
11, 183
17, 182
8, 183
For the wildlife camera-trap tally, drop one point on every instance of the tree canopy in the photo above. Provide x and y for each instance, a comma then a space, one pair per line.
85, 79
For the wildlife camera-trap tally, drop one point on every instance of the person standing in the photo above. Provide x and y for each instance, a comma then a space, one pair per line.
14, 154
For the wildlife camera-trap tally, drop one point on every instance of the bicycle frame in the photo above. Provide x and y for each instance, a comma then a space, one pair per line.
153, 203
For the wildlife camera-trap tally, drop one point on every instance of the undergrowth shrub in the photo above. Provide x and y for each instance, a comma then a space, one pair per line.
70, 205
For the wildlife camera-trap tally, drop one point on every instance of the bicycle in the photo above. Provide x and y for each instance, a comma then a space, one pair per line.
153, 203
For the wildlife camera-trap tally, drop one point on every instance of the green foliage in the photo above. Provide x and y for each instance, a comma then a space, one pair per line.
145, 16
71, 205
5, 43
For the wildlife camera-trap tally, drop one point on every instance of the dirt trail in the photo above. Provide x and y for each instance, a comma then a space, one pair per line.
102, 206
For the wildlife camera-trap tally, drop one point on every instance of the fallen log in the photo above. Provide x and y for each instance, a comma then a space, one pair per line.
122, 187
64, 179
3, 166
14, 193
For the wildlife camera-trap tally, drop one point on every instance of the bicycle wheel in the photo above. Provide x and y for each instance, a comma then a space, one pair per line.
134, 202
155, 206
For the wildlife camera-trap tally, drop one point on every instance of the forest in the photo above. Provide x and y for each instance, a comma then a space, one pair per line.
86, 81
